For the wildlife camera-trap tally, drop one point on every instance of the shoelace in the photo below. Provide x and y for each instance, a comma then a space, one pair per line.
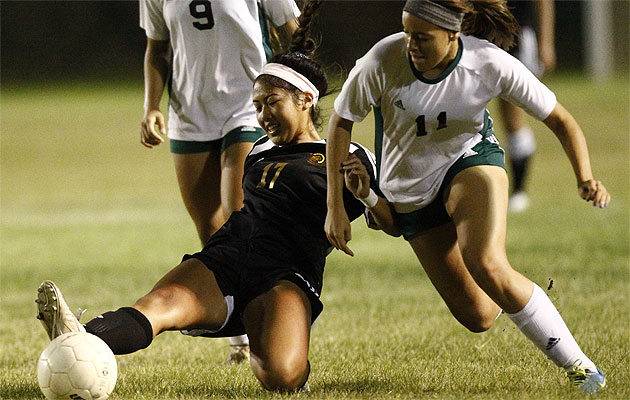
577, 374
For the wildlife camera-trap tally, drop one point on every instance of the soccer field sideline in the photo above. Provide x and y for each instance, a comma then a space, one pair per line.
84, 204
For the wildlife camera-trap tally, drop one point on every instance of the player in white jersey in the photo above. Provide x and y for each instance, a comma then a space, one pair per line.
443, 171
208, 53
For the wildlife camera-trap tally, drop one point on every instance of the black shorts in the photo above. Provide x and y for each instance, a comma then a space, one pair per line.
246, 266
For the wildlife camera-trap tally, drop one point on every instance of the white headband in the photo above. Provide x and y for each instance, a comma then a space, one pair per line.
293, 77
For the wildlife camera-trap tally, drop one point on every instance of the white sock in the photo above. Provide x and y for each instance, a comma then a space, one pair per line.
242, 340
540, 321
522, 143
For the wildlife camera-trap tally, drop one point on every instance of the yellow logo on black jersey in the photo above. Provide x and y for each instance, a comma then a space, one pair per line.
317, 158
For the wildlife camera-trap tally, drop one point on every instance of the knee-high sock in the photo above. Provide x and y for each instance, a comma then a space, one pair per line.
540, 321
125, 330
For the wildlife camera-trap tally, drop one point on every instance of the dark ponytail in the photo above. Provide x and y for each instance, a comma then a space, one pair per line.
486, 19
301, 42
300, 49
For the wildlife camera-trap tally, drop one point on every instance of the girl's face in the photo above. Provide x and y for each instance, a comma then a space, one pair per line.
431, 48
284, 120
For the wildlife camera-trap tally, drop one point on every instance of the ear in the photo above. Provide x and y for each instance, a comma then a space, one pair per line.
308, 100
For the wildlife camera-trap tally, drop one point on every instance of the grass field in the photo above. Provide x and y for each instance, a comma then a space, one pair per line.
84, 204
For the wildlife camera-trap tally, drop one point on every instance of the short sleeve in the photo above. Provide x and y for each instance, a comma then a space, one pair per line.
280, 12
361, 91
521, 87
152, 19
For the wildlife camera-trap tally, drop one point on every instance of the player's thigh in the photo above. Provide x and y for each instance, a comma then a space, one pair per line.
199, 178
232, 166
477, 201
438, 251
278, 324
188, 296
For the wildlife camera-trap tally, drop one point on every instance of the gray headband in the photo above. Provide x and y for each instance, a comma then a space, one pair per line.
435, 14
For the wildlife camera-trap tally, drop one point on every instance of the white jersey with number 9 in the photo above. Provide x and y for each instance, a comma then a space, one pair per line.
219, 47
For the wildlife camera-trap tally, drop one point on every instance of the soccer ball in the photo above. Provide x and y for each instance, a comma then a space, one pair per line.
77, 365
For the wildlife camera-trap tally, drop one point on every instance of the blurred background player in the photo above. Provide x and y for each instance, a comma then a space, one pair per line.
535, 48
208, 53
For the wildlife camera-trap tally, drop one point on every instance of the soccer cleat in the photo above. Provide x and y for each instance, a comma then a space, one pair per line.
518, 202
588, 380
239, 354
53, 311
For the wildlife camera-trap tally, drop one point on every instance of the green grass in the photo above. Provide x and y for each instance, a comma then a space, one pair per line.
83, 203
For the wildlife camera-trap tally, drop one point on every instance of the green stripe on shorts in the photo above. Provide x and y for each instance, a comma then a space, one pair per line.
486, 152
243, 134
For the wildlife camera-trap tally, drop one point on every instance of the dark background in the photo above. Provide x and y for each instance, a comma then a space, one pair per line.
52, 40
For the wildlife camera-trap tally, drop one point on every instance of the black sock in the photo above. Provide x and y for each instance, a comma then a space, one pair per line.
125, 330
519, 172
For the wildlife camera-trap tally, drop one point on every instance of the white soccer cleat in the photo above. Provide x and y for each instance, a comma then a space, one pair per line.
54, 313
518, 202
588, 380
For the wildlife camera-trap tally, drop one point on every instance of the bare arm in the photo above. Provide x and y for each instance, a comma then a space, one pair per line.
156, 67
545, 13
357, 181
570, 135
337, 224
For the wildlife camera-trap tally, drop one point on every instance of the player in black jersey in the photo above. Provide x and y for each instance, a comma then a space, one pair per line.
261, 273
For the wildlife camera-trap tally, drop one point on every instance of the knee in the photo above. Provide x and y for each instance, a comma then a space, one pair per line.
158, 299
488, 269
282, 375
173, 304
480, 321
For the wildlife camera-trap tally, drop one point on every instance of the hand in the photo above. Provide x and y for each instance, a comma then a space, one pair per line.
594, 191
149, 137
338, 230
356, 177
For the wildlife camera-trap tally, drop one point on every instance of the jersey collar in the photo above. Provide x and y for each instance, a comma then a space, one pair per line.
444, 73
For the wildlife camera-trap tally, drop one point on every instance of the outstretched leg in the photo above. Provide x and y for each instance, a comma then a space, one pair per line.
186, 297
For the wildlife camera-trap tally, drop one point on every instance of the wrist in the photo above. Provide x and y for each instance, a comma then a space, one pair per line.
370, 200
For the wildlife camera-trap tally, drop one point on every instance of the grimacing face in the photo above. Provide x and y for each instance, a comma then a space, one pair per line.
283, 119
431, 48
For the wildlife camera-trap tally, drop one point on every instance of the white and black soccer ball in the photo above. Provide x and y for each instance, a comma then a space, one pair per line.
77, 365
